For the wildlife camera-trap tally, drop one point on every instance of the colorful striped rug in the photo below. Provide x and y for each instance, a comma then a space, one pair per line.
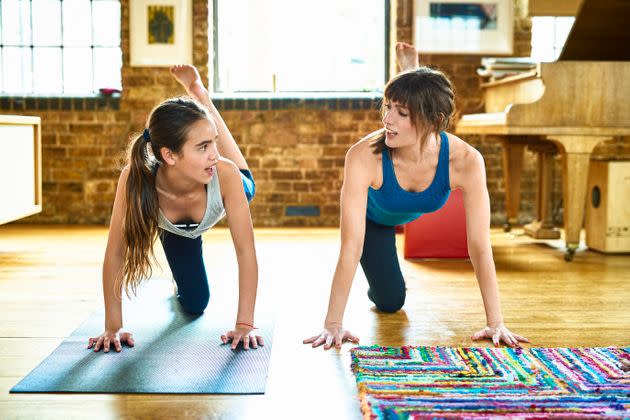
536, 383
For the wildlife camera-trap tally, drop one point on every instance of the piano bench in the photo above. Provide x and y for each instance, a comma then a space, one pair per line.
441, 234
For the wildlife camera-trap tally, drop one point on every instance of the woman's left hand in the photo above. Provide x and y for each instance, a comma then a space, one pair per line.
244, 334
498, 334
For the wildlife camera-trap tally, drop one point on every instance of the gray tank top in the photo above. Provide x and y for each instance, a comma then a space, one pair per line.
214, 212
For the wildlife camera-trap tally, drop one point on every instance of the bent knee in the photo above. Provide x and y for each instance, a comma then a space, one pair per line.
194, 306
390, 304
390, 307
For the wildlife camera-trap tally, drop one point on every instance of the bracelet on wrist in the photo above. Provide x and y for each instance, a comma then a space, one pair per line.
246, 324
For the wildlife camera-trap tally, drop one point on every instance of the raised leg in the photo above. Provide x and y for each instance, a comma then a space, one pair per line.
189, 78
407, 56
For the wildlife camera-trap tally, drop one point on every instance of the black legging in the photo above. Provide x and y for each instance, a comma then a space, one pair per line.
185, 258
380, 265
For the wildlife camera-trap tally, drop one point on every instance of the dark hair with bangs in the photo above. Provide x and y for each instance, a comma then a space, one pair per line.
428, 95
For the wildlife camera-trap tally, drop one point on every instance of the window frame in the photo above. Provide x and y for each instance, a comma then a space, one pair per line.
60, 47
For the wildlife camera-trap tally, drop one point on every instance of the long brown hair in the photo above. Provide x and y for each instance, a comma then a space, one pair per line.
168, 127
428, 95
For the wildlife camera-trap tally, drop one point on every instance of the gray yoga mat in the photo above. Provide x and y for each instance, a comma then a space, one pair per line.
174, 353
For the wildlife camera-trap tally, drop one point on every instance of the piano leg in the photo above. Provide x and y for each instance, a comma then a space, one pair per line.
577, 155
513, 153
542, 227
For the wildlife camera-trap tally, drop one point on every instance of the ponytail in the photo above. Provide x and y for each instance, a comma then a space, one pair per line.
140, 225
167, 127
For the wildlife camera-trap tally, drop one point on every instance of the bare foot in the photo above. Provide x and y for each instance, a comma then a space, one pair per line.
407, 56
186, 75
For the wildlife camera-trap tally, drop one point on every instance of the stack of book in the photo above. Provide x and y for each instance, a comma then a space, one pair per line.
498, 68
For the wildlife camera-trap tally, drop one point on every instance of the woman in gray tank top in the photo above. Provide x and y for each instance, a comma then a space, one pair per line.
184, 173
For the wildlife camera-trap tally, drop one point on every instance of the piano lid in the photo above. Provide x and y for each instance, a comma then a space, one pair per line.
601, 32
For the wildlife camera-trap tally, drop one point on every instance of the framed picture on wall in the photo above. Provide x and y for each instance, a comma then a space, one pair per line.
160, 32
463, 26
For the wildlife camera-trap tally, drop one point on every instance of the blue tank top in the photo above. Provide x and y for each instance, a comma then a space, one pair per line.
392, 205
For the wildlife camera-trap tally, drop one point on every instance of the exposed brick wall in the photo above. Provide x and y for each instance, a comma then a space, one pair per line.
79, 168
296, 152
297, 158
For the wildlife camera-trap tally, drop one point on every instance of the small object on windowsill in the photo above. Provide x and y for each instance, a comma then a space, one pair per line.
109, 91
483, 72
497, 68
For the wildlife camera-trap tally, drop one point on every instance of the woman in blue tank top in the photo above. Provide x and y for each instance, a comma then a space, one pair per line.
395, 175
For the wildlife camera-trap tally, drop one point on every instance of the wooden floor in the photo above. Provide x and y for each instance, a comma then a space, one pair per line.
50, 282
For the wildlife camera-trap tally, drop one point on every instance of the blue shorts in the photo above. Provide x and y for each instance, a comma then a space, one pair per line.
248, 184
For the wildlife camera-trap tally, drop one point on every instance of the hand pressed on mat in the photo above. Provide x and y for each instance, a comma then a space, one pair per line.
111, 338
244, 334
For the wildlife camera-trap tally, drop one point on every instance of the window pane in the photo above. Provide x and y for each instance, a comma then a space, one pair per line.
563, 27
46, 22
106, 20
1, 72
284, 38
16, 22
77, 28
77, 70
16, 70
549, 35
107, 66
59, 46
254, 30
356, 63
542, 38
47, 76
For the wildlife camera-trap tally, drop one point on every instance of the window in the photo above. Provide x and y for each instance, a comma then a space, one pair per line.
549, 33
59, 47
299, 45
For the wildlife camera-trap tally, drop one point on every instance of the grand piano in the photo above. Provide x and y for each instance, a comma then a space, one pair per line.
568, 106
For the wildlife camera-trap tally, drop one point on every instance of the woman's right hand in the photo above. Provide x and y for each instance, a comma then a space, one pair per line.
111, 338
330, 335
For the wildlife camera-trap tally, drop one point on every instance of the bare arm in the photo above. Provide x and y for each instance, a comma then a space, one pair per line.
353, 210
242, 231
112, 265
477, 205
